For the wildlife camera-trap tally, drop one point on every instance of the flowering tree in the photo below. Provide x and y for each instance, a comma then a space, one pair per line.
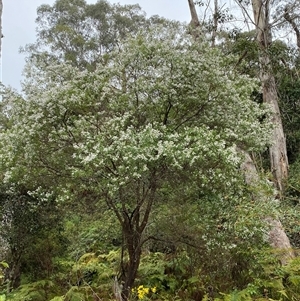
160, 112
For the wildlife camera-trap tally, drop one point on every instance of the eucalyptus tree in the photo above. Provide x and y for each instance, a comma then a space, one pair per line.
278, 153
154, 116
266, 16
81, 33
277, 149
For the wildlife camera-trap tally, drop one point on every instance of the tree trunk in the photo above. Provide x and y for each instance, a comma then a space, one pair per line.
195, 24
278, 153
133, 225
13, 273
277, 237
216, 20
134, 247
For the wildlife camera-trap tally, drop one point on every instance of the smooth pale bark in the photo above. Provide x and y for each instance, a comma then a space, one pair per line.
195, 21
117, 290
195, 24
215, 27
279, 162
279, 241
277, 237
278, 153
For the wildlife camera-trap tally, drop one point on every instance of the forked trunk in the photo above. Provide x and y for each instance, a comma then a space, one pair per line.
133, 227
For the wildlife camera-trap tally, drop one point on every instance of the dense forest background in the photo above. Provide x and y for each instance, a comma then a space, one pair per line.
146, 159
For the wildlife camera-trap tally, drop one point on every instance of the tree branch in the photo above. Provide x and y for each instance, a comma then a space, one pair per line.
291, 21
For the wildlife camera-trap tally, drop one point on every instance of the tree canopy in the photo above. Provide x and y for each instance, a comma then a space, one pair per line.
125, 157
162, 111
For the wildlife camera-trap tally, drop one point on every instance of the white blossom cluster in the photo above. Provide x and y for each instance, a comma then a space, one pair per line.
157, 105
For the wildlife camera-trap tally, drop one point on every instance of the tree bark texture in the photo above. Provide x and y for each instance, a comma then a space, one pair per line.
195, 23
216, 20
133, 223
277, 237
278, 153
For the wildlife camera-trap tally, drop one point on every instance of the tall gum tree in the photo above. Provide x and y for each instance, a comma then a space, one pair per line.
278, 154
277, 150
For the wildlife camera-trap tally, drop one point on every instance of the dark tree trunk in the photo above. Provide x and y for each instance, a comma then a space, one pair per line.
133, 225
13, 273
134, 248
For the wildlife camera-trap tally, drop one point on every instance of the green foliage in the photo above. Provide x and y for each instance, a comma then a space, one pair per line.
3, 265
153, 133
138, 144
154, 124
92, 268
31, 233
81, 33
292, 279
58, 298
35, 291
170, 275
275, 283
243, 45
290, 210
91, 230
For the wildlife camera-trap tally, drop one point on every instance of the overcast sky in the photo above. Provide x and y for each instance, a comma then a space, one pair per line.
19, 28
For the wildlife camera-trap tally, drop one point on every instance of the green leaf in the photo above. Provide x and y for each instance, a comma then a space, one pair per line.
295, 280
193, 279
60, 298
4, 264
